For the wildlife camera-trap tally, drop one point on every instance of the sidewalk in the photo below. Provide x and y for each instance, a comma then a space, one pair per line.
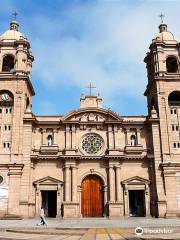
90, 229
92, 222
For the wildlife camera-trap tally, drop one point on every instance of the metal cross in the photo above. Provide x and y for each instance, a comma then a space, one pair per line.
161, 16
15, 15
90, 88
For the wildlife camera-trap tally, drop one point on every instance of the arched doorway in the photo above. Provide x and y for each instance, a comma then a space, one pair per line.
92, 197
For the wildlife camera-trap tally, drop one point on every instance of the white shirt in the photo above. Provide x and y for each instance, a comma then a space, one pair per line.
42, 212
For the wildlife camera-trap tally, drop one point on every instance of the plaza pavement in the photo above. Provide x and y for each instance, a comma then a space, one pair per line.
90, 229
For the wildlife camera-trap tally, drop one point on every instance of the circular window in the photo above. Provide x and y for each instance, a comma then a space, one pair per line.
1, 179
92, 143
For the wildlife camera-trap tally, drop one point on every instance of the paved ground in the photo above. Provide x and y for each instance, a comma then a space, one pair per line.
90, 229
93, 222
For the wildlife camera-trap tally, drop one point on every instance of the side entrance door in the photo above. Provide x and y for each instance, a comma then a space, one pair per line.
49, 202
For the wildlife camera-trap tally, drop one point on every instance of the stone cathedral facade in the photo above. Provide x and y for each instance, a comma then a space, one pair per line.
90, 162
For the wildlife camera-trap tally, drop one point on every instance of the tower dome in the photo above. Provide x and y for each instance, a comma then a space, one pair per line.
12, 34
164, 35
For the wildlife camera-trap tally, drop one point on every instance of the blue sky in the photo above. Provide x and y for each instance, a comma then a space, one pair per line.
75, 42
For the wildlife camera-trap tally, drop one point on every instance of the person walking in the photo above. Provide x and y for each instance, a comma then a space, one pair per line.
42, 218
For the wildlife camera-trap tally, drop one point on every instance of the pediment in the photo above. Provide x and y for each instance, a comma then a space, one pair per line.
136, 180
92, 115
48, 181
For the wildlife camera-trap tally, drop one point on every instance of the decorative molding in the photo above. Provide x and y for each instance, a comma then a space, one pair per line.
48, 181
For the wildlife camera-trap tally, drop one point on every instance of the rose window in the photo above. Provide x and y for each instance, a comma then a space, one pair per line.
92, 143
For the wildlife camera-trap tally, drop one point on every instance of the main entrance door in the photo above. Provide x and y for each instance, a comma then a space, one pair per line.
92, 197
49, 202
137, 203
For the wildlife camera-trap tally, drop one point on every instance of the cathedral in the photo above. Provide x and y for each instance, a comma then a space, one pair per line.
90, 162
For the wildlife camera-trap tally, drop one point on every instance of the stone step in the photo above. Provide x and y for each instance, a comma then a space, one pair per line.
11, 217
49, 231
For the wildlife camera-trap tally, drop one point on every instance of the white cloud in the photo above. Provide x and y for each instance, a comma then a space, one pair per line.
104, 43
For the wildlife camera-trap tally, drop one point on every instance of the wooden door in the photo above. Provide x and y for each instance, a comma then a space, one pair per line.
92, 197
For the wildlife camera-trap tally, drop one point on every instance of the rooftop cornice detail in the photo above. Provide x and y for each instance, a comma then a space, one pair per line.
106, 112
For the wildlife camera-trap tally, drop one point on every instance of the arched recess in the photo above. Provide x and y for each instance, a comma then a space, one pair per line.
28, 105
153, 104
133, 140
94, 172
6, 98
174, 98
8, 63
171, 64
92, 197
50, 140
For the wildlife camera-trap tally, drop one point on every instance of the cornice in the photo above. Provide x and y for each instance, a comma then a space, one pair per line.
165, 77
81, 157
18, 76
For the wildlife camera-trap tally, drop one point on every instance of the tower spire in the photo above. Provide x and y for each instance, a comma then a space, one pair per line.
15, 15
162, 26
14, 24
162, 16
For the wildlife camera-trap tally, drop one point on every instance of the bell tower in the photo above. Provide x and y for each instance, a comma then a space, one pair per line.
16, 89
163, 97
16, 93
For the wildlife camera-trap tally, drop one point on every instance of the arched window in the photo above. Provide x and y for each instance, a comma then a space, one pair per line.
174, 98
171, 65
133, 140
8, 63
50, 140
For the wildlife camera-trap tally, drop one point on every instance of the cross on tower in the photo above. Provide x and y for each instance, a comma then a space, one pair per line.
90, 86
15, 15
162, 17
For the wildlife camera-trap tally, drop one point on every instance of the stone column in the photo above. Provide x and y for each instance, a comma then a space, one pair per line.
118, 186
31, 191
128, 137
105, 200
79, 189
74, 183
44, 136
115, 136
73, 136
68, 137
138, 136
38, 200
147, 199
41, 132
58, 201
67, 183
55, 132
126, 140
111, 137
126, 201
111, 184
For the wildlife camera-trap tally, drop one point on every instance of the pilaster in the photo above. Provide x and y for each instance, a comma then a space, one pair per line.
15, 172
159, 196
